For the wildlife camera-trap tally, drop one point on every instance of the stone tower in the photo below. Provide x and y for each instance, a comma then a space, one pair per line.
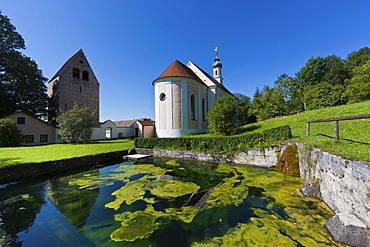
74, 82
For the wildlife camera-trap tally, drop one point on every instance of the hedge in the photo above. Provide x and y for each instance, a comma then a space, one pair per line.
229, 144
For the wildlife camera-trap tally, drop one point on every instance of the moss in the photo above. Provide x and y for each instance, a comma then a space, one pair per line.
288, 161
288, 220
129, 193
134, 226
172, 188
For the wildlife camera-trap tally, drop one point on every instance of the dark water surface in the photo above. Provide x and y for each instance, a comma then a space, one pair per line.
162, 203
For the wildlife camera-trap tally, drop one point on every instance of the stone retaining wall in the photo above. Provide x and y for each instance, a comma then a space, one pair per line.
266, 157
17, 172
343, 184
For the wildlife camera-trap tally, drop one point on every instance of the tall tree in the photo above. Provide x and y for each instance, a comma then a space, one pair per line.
243, 106
221, 118
269, 105
22, 85
75, 124
358, 88
288, 88
357, 58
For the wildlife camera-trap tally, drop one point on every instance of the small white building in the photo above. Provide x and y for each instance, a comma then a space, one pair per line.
34, 130
183, 96
124, 128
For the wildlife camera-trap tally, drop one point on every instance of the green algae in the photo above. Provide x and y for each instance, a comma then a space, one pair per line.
129, 193
137, 225
172, 188
122, 173
299, 220
172, 162
288, 219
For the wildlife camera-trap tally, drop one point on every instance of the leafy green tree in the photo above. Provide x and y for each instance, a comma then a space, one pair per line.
323, 95
269, 105
329, 69
221, 118
243, 106
22, 85
325, 71
358, 88
75, 124
10, 135
288, 88
357, 58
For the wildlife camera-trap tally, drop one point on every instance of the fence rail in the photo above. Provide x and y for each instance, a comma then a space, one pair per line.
336, 122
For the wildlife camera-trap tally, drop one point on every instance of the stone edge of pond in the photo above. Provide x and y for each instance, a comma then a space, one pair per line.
339, 182
23, 171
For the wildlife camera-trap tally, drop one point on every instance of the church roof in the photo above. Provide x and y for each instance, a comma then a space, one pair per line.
61, 70
213, 80
178, 69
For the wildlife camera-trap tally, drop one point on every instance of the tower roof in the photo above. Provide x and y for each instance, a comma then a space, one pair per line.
79, 53
178, 69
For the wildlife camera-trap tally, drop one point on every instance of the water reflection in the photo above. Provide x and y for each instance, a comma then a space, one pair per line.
164, 203
74, 204
19, 205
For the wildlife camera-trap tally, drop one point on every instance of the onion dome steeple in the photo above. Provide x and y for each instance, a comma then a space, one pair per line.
217, 68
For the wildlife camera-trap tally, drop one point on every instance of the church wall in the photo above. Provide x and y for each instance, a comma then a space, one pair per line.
176, 105
162, 107
203, 112
193, 90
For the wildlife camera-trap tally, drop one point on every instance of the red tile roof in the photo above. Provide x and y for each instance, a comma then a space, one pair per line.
146, 122
178, 69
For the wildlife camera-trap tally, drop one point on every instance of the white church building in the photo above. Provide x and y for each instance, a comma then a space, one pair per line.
184, 94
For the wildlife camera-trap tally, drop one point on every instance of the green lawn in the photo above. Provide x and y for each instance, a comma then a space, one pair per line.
20, 155
354, 134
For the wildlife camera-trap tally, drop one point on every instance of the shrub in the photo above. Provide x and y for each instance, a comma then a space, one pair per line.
225, 144
10, 135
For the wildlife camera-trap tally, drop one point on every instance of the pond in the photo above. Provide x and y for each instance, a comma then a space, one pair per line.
157, 202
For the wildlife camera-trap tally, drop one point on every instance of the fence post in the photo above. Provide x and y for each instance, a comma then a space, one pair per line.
336, 129
308, 128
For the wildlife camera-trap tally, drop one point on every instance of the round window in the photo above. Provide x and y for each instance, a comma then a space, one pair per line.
162, 97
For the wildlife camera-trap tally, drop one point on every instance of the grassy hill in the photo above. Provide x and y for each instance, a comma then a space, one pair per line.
354, 134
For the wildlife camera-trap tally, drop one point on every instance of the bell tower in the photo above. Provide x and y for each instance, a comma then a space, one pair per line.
217, 68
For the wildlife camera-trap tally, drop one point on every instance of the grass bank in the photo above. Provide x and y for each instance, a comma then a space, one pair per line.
354, 134
36, 154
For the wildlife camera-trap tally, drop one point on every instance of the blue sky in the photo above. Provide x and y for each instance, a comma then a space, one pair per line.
129, 43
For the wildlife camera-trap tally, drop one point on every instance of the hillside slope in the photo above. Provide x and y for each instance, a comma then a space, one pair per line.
354, 134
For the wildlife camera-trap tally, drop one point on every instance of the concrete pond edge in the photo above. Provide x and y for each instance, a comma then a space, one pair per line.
343, 184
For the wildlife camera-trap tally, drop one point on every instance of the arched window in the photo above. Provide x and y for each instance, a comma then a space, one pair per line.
192, 107
76, 73
85, 75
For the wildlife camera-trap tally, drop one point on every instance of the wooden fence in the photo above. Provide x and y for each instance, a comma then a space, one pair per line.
336, 122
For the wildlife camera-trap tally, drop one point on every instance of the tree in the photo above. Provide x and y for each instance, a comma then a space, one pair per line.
288, 88
358, 88
323, 95
221, 118
326, 71
243, 105
22, 85
269, 105
357, 58
75, 124
10, 135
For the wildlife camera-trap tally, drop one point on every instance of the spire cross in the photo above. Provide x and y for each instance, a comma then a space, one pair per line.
216, 50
